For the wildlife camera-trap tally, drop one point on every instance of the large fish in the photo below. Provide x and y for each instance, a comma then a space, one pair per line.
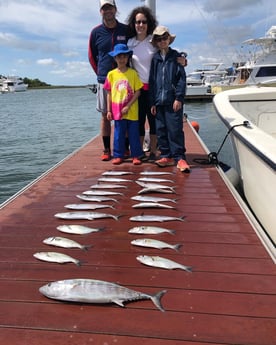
95, 198
85, 215
151, 173
154, 185
155, 218
155, 190
158, 261
107, 186
153, 179
151, 243
113, 179
152, 199
56, 257
116, 173
146, 230
64, 243
100, 192
96, 291
77, 229
151, 205
87, 206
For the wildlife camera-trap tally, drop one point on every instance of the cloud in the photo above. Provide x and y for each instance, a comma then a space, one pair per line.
47, 62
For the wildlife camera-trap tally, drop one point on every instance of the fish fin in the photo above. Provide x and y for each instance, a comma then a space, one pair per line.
177, 247
156, 299
119, 302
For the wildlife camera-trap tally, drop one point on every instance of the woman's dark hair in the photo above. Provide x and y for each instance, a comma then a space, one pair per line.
146, 11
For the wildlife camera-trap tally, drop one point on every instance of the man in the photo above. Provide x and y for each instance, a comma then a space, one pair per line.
102, 40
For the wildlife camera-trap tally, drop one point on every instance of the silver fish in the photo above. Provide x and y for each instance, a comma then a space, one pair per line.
95, 198
96, 291
146, 230
153, 179
101, 192
85, 215
56, 257
87, 206
64, 243
113, 179
154, 185
158, 261
117, 173
151, 243
151, 205
107, 186
155, 218
155, 190
152, 199
77, 229
150, 173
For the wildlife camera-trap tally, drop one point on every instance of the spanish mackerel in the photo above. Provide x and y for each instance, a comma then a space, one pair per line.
85, 215
87, 206
152, 243
155, 218
117, 173
96, 291
107, 186
113, 179
64, 243
153, 185
158, 261
153, 179
151, 173
151, 205
95, 198
152, 199
146, 230
155, 190
101, 192
77, 229
56, 257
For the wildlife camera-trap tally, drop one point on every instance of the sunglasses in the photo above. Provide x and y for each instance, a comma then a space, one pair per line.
138, 22
162, 38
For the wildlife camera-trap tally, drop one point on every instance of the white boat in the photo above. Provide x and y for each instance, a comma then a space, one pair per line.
250, 115
13, 84
211, 72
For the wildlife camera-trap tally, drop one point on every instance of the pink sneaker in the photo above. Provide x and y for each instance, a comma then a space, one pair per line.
136, 161
165, 162
117, 161
183, 166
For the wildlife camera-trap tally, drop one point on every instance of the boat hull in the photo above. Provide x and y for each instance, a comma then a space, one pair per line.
254, 146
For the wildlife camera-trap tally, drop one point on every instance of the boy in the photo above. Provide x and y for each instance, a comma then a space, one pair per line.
123, 89
167, 86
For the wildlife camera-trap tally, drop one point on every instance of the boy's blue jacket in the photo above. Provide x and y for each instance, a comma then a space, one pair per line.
102, 41
167, 80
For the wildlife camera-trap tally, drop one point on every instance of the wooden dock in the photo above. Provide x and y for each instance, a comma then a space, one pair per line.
229, 298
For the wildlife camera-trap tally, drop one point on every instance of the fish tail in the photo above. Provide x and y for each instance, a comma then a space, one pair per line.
189, 269
112, 206
79, 263
156, 299
182, 219
174, 200
101, 229
173, 232
177, 247
117, 217
85, 247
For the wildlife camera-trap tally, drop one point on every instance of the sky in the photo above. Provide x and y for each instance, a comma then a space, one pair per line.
48, 39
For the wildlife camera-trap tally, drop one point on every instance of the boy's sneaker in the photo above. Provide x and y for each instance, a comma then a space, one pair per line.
183, 166
136, 161
117, 161
165, 162
106, 156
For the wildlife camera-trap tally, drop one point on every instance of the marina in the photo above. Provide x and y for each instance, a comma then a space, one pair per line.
228, 298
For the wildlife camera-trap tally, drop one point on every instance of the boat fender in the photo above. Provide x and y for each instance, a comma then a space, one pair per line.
195, 125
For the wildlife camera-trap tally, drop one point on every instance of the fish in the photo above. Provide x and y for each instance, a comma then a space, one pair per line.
153, 179
117, 173
155, 218
107, 186
152, 199
87, 206
113, 179
95, 198
85, 215
56, 257
100, 192
155, 190
158, 261
151, 243
151, 205
150, 173
64, 243
154, 185
77, 229
146, 230
96, 291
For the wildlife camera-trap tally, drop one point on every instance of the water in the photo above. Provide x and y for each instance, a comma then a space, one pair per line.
41, 127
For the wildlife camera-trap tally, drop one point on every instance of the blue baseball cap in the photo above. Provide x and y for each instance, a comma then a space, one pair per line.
120, 48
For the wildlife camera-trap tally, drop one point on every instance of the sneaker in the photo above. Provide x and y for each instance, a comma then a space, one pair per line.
165, 162
106, 156
144, 157
152, 157
136, 161
183, 166
117, 161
